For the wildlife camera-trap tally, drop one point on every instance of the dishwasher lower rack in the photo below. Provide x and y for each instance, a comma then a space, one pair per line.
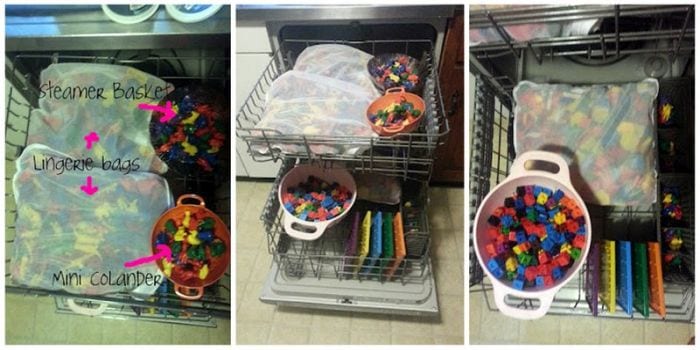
22, 97
409, 155
319, 274
492, 153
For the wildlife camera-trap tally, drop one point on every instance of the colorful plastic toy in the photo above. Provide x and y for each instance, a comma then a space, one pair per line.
395, 114
394, 70
316, 200
195, 135
665, 112
191, 248
535, 237
670, 199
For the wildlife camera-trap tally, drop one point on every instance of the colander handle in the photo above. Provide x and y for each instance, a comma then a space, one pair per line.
186, 292
395, 90
518, 166
545, 297
319, 228
190, 196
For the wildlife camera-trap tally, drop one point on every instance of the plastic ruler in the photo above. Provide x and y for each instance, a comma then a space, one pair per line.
641, 278
387, 242
593, 278
351, 244
363, 248
399, 246
656, 279
375, 245
624, 276
607, 275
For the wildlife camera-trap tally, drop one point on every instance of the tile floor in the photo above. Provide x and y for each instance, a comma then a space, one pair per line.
486, 327
33, 320
259, 323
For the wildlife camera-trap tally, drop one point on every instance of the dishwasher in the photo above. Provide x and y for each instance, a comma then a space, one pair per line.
317, 273
584, 45
178, 53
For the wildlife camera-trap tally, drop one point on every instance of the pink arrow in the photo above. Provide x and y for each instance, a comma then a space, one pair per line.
91, 138
163, 251
88, 188
167, 110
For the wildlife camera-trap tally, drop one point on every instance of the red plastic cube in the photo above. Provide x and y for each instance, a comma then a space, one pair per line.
529, 200
493, 232
548, 281
572, 226
491, 249
563, 259
579, 241
530, 273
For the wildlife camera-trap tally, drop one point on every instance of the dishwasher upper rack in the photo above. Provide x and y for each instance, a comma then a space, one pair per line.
21, 100
673, 24
491, 155
409, 156
325, 257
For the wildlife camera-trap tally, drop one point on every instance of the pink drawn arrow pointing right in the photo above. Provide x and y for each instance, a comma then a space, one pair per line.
88, 188
167, 111
163, 252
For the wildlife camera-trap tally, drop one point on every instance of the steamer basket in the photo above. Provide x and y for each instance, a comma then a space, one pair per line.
307, 230
520, 176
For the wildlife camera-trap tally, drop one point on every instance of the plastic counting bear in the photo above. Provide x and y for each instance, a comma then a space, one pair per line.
535, 237
193, 244
317, 200
395, 71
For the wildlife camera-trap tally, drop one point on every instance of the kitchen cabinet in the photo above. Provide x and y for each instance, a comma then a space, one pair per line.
253, 53
449, 162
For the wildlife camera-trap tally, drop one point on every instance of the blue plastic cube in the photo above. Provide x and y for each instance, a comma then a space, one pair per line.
536, 191
518, 284
289, 207
558, 195
547, 191
556, 273
520, 237
561, 239
519, 203
539, 281
507, 220
327, 202
498, 273
493, 264
548, 244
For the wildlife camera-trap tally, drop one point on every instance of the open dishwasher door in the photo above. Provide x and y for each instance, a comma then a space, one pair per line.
322, 274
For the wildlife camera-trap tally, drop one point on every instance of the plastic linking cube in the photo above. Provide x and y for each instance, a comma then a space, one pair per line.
535, 237
316, 200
